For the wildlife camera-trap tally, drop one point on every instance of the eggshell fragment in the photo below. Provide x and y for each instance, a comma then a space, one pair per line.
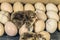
51, 7
23, 29
6, 7
41, 15
17, 6
51, 25
40, 6
29, 7
1, 30
39, 26
45, 35
10, 29
53, 15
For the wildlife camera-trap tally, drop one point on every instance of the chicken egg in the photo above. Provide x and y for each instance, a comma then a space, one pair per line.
39, 26
17, 6
59, 25
29, 7
6, 7
40, 6
4, 17
41, 15
53, 15
23, 29
1, 29
51, 7
10, 29
51, 25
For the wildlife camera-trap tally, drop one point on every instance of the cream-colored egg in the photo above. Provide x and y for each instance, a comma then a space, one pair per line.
23, 30
10, 29
51, 7
17, 6
59, 15
51, 25
59, 25
29, 7
45, 35
4, 17
41, 15
1, 29
6, 7
39, 26
58, 7
40, 6
53, 15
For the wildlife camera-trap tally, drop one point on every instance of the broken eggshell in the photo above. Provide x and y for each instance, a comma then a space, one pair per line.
53, 15
29, 7
39, 26
41, 15
51, 7
17, 6
1, 29
4, 17
6, 7
40, 6
10, 29
51, 25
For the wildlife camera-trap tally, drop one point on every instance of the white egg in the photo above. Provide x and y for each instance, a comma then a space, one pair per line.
4, 17
53, 15
40, 6
1, 29
51, 7
51, 25
45, 35
6, 7
41, 15
29, 7
10, 29
59, 25
23, 29
39, 26
17, 6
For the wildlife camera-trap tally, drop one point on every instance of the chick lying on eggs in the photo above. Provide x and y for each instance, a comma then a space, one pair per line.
24, 17
33, 36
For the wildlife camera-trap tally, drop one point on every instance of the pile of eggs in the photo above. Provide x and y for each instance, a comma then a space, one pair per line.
45, 21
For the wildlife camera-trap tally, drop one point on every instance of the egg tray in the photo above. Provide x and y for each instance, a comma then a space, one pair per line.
54, 36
